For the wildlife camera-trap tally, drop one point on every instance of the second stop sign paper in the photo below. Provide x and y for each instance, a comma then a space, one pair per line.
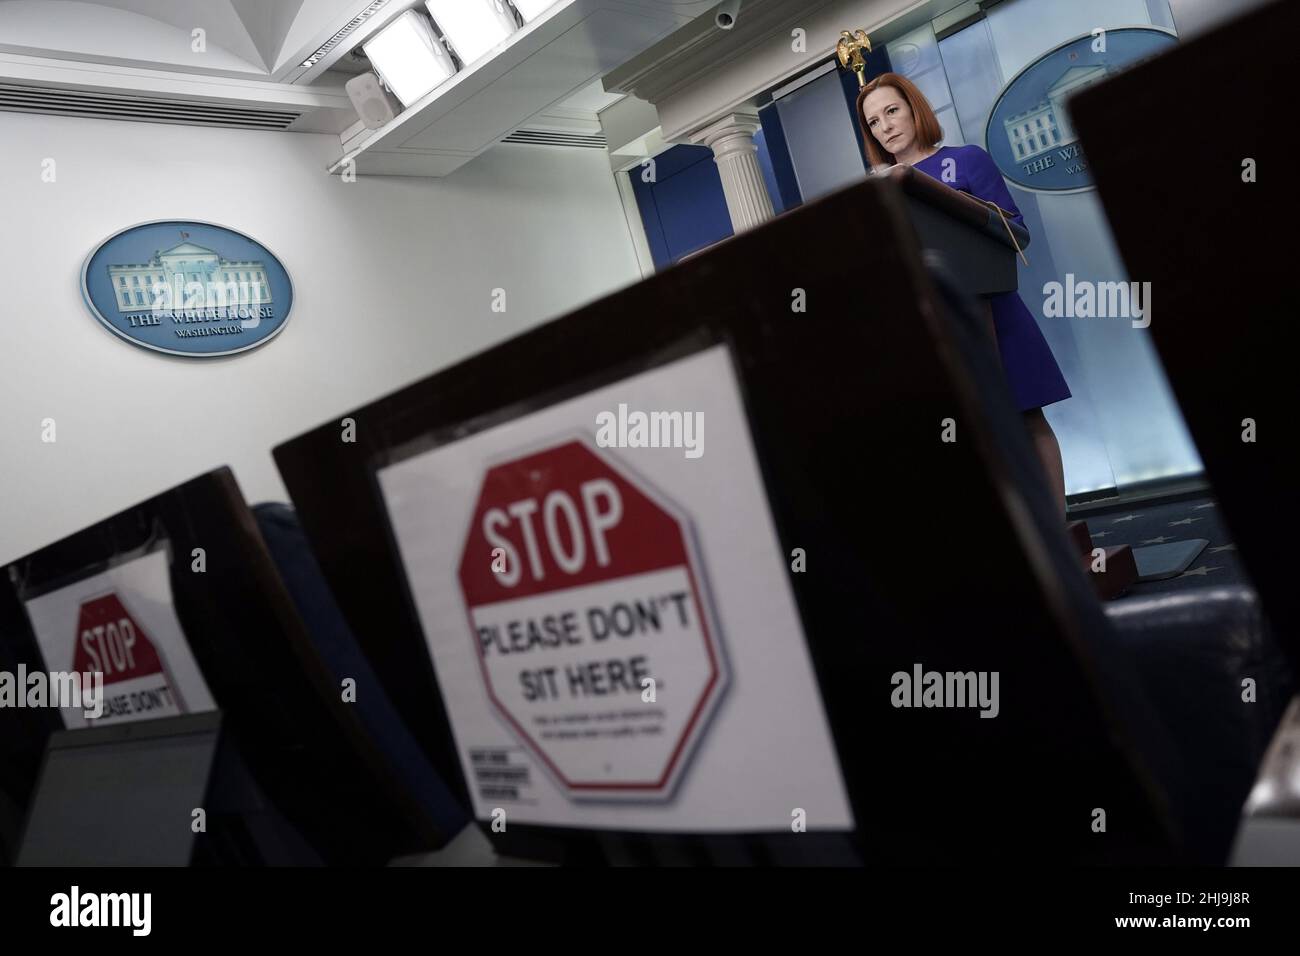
612, 628
122, 623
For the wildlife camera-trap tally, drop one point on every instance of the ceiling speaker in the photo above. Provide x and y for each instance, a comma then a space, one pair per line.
375, 105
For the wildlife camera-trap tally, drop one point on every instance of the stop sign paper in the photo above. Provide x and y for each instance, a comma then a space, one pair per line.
587, 612
555, 577
110, 641
122, 623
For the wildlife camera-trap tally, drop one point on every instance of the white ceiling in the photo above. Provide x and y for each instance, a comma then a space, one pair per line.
252, 39
592, 98
252, 59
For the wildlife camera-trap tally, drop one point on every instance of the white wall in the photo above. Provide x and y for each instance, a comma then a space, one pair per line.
393, 279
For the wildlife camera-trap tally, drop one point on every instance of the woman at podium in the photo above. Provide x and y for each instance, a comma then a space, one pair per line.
899, 126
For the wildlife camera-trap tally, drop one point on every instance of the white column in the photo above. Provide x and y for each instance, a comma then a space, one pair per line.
732, 141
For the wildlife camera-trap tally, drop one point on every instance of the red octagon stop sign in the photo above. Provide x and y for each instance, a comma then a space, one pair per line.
595, 639
111, 642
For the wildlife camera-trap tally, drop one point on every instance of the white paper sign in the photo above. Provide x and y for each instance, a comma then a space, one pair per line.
612, 628
122, 623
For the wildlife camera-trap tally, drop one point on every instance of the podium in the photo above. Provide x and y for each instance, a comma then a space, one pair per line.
976, 246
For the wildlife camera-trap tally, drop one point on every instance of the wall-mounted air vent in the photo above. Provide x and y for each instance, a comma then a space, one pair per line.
32, 99
548, 137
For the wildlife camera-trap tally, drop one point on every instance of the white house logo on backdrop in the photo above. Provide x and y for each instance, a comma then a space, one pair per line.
1029, 133
1046, 124
187, 288
164, 280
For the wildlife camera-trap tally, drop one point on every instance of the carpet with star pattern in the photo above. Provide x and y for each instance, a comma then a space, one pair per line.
1164, 521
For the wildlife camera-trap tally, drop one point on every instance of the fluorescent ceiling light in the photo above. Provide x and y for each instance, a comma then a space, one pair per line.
409, 57
473, 26
529, 9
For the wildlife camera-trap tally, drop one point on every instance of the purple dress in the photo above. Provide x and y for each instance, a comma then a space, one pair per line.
1030, 367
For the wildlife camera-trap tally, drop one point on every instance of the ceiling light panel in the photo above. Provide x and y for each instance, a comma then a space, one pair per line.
409, 57
473, 26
